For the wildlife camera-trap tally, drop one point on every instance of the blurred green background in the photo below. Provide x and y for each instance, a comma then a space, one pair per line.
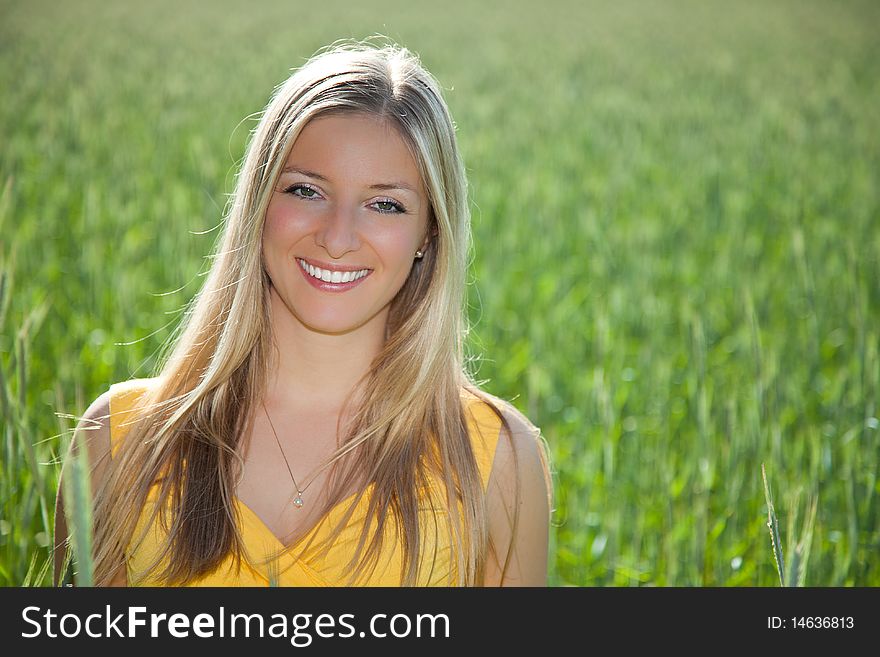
675, 275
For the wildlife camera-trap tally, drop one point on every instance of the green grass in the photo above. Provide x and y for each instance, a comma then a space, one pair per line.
676, 272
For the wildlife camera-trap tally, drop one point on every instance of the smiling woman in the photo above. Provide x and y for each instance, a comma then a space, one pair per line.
313, 422
331, 203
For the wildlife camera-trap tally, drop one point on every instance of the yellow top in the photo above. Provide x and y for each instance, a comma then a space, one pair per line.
311, 569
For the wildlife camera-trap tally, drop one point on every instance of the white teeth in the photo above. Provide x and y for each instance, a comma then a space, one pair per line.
332, 276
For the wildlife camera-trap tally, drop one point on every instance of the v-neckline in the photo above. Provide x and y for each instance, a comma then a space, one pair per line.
264, 528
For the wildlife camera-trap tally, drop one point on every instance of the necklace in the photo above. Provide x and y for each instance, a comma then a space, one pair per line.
298, 500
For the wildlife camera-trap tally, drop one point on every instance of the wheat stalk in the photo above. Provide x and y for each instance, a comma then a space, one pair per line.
78, 508
773, 525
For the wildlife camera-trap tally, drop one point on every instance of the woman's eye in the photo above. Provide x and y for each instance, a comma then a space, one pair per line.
389, 207
384, 206
302, 191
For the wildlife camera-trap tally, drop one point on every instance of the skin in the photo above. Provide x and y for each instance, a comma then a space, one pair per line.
518, 456
327, 208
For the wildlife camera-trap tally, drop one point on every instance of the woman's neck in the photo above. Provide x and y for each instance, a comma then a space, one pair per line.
316, 371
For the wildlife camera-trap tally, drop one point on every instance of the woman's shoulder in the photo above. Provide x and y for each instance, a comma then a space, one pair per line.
519, 498
125, 394
124, 398
507, 436
131, 388
497, 412
101, 425
93, 431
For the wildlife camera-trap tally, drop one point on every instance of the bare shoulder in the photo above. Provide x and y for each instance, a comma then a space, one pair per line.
521, 455
521, 429
519, 439
93, 431
519, 502
115, 409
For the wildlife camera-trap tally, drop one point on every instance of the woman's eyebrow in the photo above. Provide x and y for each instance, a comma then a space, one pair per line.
393, 185
396, 184
304, 172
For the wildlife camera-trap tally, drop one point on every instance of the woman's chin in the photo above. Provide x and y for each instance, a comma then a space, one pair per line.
333, 325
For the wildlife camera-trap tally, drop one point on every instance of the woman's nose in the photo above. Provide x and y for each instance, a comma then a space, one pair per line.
338, 233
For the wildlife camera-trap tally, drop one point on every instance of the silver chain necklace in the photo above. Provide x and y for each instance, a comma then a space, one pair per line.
298, 500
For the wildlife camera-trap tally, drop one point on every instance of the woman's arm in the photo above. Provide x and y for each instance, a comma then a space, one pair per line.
520, 480
93, 431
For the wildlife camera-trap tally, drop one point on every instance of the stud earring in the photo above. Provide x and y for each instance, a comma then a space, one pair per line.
419, 255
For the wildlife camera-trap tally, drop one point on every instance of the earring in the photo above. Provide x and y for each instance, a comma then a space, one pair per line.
419, 255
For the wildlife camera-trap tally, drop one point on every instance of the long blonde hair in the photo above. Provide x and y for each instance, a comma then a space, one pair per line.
409, 425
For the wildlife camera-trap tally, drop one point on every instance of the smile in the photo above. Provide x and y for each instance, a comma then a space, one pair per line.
332, 280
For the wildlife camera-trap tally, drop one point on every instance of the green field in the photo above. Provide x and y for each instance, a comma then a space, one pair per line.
676, 271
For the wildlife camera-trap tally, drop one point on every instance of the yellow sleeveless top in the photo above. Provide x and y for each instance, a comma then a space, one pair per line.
309, 568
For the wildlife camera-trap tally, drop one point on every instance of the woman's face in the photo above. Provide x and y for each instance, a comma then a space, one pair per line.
345, 220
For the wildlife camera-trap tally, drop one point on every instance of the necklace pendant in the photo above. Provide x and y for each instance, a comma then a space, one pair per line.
298, 502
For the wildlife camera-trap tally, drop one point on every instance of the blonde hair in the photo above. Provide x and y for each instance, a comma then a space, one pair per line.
410, 423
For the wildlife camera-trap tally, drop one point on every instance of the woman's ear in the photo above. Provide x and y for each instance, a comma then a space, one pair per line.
432, 233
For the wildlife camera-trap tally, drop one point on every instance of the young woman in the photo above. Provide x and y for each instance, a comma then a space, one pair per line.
313, 422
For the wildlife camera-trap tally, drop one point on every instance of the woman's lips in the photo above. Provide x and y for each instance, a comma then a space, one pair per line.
330, 286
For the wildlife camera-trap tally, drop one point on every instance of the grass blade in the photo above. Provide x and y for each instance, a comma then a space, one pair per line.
78, 508
773, 525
